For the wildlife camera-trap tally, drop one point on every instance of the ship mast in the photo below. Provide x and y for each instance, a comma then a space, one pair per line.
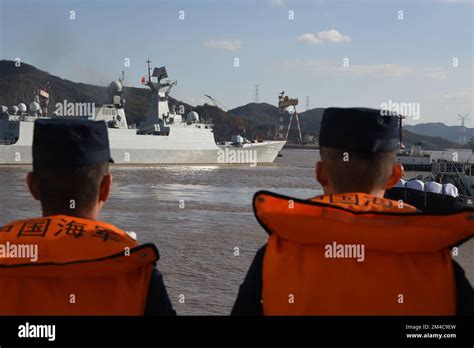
158, 110
149, 69
400, 131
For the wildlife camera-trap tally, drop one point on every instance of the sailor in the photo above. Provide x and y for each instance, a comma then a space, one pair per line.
351, 251
84, 266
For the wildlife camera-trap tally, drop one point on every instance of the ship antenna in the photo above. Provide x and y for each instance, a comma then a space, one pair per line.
400, 131
149, 69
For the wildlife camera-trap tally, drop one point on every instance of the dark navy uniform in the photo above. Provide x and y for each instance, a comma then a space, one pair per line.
249, 299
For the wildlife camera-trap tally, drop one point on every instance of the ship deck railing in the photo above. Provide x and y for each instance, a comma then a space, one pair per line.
450, 167
22, 118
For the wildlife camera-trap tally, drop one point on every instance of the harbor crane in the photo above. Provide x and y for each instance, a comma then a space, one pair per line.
239, 128
283, 103
217, 104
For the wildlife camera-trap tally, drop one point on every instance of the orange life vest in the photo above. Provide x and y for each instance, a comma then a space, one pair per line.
81, 267
311, 264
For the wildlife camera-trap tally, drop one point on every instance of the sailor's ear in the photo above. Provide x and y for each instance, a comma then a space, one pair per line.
397, 174
321, 174
32, 186
105, 186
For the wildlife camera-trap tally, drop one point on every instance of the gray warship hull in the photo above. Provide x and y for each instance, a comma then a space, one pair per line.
182, 146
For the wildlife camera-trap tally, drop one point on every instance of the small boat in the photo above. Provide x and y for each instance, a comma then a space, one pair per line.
431, 194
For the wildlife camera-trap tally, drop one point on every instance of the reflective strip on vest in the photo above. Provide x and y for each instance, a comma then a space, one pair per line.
356, 254
83, 267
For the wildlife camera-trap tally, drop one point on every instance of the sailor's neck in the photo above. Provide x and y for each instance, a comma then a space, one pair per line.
81, 215
376, 193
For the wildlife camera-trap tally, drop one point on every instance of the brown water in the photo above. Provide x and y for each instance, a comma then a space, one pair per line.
196, 242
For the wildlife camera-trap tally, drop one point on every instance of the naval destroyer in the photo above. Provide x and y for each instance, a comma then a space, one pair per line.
167, 136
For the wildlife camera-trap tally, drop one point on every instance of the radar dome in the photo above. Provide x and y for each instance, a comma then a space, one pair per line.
3, 109
35, 107
21, 107
115, 87
192, 117
14, 109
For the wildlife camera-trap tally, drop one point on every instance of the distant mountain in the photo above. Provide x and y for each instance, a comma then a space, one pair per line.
311, 120
262, 114
262, 117
17, 84
440, 130
429, 142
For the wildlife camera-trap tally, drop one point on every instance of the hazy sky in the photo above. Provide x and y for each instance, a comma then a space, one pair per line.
296, 46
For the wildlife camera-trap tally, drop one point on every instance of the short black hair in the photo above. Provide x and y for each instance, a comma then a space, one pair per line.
354, 171
65, 190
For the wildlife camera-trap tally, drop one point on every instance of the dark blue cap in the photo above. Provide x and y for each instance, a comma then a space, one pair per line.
359, 129
63, 143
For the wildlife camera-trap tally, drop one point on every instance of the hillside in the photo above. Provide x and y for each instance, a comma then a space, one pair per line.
439, 129
261, 117
430, 142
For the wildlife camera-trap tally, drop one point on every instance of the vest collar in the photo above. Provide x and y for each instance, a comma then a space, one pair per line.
377, 223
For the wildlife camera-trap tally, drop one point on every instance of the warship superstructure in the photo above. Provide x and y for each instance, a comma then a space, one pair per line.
165, 137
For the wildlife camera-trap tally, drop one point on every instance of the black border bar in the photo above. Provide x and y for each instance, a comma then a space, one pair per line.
258, 330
